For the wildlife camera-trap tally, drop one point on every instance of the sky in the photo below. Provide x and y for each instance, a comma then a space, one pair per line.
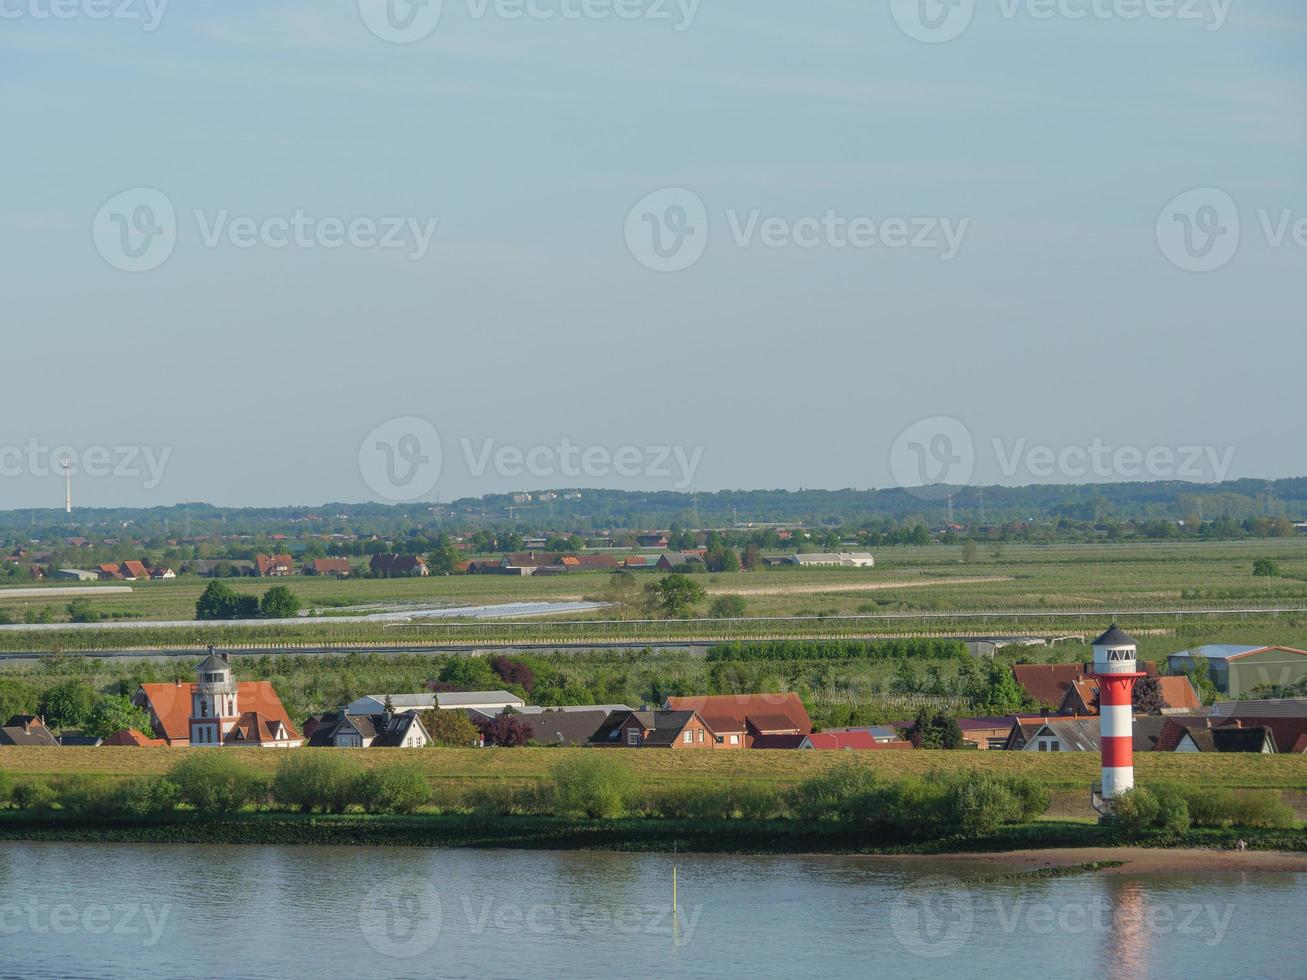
273, 253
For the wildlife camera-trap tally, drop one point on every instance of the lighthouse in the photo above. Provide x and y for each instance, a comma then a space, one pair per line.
1116, 671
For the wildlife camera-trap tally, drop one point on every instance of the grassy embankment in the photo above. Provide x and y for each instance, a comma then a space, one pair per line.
464, 768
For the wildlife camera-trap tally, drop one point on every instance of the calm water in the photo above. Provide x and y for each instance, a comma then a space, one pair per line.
69, 911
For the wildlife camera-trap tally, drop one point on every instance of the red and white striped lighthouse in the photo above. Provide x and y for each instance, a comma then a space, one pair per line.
1116, 672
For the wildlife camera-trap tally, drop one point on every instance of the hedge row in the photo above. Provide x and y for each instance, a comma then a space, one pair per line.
790, 650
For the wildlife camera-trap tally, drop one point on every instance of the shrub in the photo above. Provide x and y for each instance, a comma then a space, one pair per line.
841, 793
979, 803
504, 799
1172, 810
315, 779
86, 796
400, 787
6, 788
35, 795
1032, 797
1135, 811
595, 784
214, 782
1226, 808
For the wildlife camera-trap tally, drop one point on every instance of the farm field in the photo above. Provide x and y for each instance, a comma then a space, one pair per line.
469, 767
1099, 581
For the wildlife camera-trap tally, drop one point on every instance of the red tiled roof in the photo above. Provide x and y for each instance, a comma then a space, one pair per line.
134, 569
744, 707
844, 740
1047, 683
330, 566
171, 704
130, 736
1288, 732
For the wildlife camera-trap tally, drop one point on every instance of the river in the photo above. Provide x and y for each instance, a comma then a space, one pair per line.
95, 911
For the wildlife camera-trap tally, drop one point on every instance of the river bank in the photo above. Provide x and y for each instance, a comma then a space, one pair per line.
1037, 845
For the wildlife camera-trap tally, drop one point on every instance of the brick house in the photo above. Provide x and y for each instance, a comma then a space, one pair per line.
655, 730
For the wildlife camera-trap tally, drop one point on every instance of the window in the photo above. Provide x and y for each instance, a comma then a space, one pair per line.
700, 734
688, 738
633, 736
735, 740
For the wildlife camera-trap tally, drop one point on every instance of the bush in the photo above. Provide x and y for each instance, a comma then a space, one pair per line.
979, 803
840, 793
400, 787
1136, 811
86, 796
315, 779
1172, 810
504, 799
6, 788
595, 784
1225, 808
35, 795
214, 782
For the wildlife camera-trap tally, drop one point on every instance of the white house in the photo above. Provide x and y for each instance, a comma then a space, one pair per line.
844, 559
491, 701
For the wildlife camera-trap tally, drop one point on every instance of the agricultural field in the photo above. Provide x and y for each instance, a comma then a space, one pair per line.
464, 768
918, 590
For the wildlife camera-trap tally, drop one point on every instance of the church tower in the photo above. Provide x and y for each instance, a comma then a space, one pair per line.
215, 706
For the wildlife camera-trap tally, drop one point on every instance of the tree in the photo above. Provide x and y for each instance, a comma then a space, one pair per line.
116, 713
443, 558
969, 551
592, 784
451, 729
623, 594
316, 780
81, 611
218, 601
399, 787
752, 558
674, 596
1147, 697
514, 672
727, 607
1266, 568
507, 731
279, 602
68, 705
16, 698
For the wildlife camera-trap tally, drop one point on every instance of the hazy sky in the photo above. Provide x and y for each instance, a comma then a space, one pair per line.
982, 231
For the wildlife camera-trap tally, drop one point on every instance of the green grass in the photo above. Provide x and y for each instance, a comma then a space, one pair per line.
461, 768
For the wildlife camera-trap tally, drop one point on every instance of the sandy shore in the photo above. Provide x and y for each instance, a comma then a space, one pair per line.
1137, 859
